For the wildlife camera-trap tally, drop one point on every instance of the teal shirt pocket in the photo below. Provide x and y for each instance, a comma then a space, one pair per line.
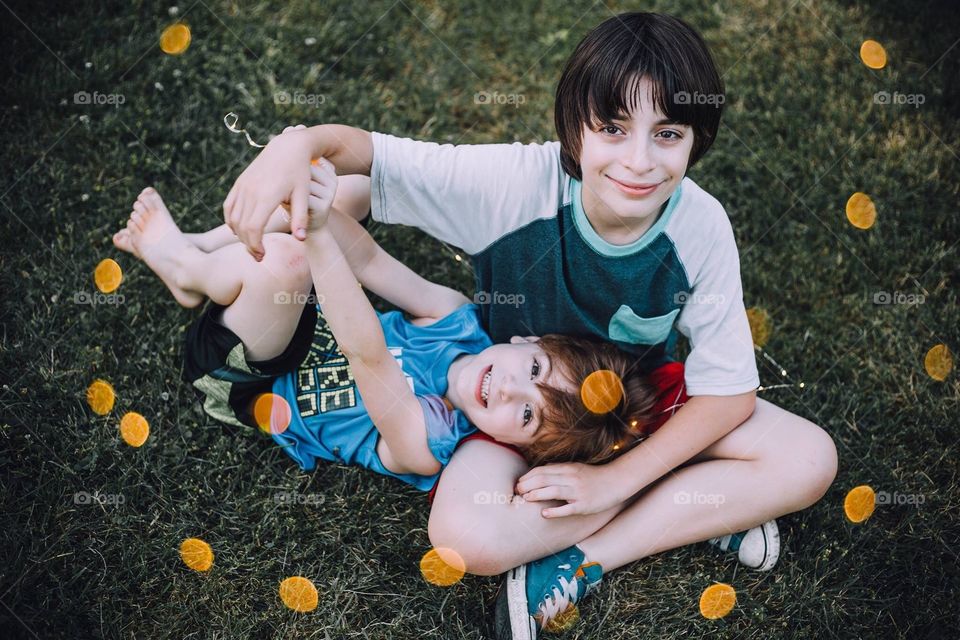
626, 326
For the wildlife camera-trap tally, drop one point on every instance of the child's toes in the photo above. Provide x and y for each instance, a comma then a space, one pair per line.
121, 240
136, 219
151, 198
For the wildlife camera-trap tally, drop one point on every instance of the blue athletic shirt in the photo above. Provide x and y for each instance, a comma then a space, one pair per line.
329, 420
542, 268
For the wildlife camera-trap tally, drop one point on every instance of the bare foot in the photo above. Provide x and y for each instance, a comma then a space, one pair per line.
154, 237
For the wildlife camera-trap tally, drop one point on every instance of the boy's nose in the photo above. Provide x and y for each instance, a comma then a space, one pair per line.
639, 160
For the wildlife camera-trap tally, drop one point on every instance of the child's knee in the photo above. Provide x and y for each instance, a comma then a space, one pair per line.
815, 468
286, 260
476, 541
353, 196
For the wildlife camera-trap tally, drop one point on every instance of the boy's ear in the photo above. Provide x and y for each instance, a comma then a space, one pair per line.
519, 339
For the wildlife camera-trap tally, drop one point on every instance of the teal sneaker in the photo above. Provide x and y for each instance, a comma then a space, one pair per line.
757, 548
533, 594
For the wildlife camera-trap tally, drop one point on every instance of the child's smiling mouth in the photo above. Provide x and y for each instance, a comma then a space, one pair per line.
483, 384
635, 189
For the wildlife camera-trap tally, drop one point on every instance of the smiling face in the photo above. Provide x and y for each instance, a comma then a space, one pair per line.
631, 165
497, 389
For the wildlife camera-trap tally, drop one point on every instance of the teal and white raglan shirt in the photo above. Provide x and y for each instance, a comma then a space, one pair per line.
542, 268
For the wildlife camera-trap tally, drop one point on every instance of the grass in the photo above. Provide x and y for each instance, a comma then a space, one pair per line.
801, 133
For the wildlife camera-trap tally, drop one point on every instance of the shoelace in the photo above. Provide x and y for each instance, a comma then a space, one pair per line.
563, 597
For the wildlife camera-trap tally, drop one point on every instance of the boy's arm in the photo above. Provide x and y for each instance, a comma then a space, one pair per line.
592, 488
392, 406
389, 278
281, 173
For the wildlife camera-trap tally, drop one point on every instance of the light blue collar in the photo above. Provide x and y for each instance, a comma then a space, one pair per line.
589, 234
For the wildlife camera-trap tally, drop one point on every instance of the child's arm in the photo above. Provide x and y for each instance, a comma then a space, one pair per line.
281, 173
392, 406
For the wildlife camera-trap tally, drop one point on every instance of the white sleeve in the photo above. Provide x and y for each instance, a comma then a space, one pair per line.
721, 360
466, 195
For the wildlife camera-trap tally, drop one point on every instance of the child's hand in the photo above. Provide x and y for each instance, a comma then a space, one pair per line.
279, 174
323, 188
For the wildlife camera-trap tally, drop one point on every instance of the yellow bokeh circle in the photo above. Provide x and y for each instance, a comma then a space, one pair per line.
442, 566
861, 212
760, 325
717, 600
100, 397
938, 362
271, 413
859, 503
134, 429
563, 620
601, 391
873, 54
196, 554
107, 275
175, 39
299, 594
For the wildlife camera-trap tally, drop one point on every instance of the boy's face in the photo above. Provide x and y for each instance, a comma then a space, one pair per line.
632, 165
498, 390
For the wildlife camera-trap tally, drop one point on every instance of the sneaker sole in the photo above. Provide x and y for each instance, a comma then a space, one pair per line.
522, 624
771, 545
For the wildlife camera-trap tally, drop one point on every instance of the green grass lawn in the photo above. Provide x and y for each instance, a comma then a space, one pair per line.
801, 133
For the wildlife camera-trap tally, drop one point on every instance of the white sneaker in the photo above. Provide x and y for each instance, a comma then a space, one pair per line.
757, 548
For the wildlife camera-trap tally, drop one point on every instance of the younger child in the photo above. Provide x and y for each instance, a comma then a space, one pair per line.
392, 394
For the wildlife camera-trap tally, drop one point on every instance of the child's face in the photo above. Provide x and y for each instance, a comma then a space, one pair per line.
508, 406
632, 165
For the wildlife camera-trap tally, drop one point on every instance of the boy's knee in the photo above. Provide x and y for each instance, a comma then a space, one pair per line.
286, 260
815, 465
353, 196
477, 543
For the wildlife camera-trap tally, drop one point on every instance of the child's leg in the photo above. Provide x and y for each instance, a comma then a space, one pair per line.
352, 198
264, 300
773, 464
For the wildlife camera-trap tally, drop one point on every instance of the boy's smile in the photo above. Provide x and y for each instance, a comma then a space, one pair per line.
631, 167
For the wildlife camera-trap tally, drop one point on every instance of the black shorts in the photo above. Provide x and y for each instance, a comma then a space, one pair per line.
226, 382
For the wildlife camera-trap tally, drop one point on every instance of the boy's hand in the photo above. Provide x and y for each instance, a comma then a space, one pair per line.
323, 188
281, 173
586, 488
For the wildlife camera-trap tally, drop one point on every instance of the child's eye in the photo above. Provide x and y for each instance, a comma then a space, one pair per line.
609, 129
670, 135
535, 369
527, 415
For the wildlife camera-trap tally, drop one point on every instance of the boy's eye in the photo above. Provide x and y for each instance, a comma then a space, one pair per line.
670, 135
535, 369
527, 415
609, 129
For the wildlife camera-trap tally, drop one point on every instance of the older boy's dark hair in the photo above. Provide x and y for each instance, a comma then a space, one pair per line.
569, 431
601, 80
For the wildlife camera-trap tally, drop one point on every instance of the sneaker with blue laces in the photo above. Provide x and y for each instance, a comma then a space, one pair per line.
534, 594
757, 548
